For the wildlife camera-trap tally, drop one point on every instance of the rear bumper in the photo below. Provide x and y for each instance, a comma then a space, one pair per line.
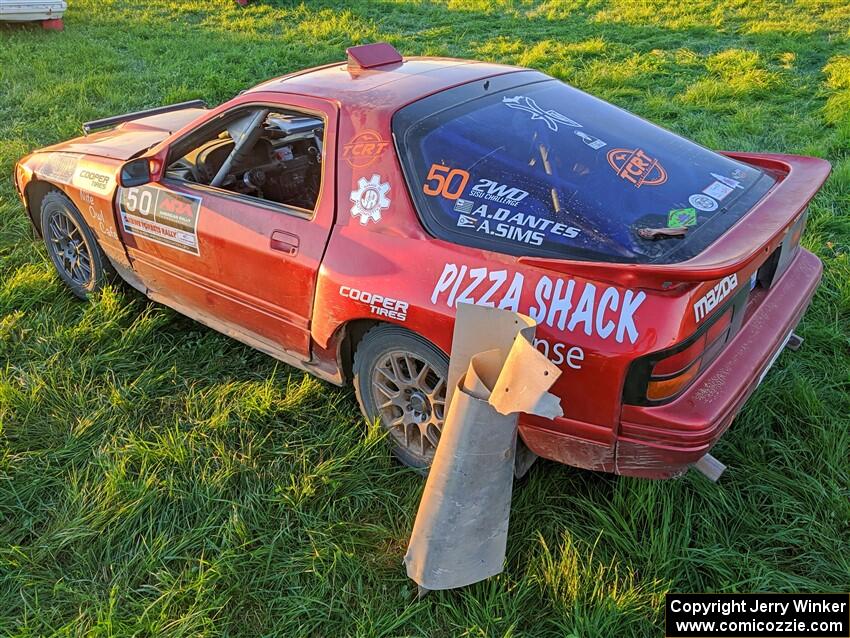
664, 441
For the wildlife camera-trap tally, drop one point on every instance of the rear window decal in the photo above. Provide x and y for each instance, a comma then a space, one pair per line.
504, 223
731, 183
163, 217
550, 116
499, 193
593, 142
717, 190
445, 181
682, 217
703, 202
635, 166
370, 198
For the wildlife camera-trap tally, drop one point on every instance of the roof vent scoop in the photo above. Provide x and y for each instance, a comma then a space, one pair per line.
367, 56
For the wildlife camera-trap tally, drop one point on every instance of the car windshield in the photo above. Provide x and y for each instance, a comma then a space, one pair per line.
543, 168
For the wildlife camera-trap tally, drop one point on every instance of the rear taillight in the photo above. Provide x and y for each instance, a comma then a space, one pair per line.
662, 376
672, 374
660, 388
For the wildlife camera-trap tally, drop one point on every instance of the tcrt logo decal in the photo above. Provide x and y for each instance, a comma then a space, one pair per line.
560, 303
637, 167
364, 148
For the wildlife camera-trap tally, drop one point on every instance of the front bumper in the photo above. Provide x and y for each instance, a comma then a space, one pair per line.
664, 441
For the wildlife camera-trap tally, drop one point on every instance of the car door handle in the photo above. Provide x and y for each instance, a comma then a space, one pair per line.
284, 242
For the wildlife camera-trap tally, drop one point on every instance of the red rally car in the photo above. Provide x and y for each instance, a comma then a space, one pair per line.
335, 217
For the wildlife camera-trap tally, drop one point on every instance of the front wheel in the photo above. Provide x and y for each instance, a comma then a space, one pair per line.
72, 246
400, 380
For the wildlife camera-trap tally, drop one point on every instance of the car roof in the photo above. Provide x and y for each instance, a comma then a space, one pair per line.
387, 87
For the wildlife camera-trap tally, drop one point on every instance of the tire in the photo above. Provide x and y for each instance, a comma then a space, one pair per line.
393, 387
72, 246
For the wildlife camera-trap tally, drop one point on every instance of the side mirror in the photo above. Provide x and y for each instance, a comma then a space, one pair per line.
135, 172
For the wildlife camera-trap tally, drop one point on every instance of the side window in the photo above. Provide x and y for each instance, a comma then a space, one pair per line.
269, 154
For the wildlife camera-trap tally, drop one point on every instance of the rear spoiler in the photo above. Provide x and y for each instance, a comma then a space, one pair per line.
755, 234
106, 122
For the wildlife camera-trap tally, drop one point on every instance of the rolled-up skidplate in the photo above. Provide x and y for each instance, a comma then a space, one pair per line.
460, 533
461, 528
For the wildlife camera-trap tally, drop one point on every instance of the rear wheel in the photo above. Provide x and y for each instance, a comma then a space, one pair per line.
400, 380
71, 245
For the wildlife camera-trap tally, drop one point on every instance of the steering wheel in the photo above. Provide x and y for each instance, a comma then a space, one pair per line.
243, 143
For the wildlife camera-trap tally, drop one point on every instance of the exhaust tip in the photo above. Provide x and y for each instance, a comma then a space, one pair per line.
710, 467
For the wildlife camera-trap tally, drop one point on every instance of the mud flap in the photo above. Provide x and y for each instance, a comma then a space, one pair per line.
460, 533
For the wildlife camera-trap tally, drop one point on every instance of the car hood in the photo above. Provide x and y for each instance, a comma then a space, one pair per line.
130, 138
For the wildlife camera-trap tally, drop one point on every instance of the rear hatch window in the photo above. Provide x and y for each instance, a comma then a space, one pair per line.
526, 165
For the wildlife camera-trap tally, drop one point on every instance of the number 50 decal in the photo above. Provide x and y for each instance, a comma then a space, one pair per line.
138, 200
445, 181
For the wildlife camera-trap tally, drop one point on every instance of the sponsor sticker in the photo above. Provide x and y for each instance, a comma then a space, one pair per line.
593, 142
635, 166
379, 305
369, 199
444, 181
89, 179
505, 223
565, 304
498, 193
167, 218
731, 183
58, 167
710, 300
551, 117
679, 217
717, 190
96, 214
364, 148
703, 202
560, 353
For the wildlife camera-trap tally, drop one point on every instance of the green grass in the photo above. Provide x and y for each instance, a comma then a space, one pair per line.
157, 478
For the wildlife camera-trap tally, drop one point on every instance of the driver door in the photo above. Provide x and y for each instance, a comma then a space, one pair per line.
231, 256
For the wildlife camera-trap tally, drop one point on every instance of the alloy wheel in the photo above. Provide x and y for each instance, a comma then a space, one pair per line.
411, 397
69, 248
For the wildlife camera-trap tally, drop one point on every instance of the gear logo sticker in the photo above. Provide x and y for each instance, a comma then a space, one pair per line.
370, 198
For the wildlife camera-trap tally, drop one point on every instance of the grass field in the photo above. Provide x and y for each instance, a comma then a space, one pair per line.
157, 479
